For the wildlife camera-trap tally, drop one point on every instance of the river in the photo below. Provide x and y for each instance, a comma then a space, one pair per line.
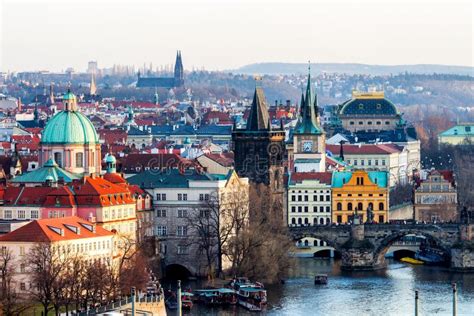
384, 292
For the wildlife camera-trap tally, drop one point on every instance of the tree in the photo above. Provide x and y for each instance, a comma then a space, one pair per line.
11, 302
46, 265
217, 220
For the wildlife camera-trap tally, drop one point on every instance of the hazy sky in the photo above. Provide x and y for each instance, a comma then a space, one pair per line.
225, 34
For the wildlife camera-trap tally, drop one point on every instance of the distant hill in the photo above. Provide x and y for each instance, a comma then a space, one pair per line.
294, 68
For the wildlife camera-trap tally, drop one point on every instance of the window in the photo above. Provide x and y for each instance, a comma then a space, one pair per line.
339, 206
376, 162
182, 213
161, 231
321, 209
181, 230
22, 251
182, 250
381, 219
202, 197
339, 219
387, 123
160, 213
361, 123
349, 206
321, 198
293, 209
8, 214
328, 198
23, 286
58, 159
161, 197
306, 209
369, 122
381, 207
355, 162
362, 162
300, 209
378, 123
359, 206
315, 209
34, 214
79, 160
328, 209
383, 162
205, 213
293, 198
351, 123
180, 197
371, 206
300, 198
369, 162
306, 198
21, 214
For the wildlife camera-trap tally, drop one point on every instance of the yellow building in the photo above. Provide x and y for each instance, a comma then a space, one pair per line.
359, 191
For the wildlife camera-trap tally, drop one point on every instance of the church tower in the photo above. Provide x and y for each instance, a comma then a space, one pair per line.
308, 137
259, 150
178, 71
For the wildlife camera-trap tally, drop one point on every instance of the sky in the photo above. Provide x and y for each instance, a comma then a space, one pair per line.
226, 34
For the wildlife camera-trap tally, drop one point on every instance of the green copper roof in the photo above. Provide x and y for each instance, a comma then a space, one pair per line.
461, 130
110, 158
69, 127
69, 96
339, 178
308, 122
50, 171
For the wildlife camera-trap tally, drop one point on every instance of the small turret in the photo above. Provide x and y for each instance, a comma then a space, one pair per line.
110, 163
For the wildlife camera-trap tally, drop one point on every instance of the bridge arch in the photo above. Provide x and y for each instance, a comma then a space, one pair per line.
384, 244
178, 271
328, 241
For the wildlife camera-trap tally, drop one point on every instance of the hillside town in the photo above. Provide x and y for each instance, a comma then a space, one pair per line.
125, 190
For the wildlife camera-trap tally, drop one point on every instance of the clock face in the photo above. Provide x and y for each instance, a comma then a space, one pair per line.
308, 146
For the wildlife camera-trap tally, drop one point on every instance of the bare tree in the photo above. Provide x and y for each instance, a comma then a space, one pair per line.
46, 266
11, 302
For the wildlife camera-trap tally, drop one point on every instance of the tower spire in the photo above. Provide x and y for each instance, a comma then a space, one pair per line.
93, 87
259, 118
308, 122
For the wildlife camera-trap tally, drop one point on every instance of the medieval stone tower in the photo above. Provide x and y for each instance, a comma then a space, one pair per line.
259, 150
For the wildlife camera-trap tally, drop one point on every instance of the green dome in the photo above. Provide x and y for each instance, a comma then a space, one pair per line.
110, 158
69, 127
69, 96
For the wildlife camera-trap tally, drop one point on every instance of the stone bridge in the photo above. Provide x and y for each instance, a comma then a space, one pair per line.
363, 246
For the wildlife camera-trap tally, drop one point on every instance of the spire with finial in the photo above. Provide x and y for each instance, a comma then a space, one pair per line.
259, 118
308, 122
93, 87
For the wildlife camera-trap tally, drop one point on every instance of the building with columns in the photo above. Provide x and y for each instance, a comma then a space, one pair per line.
71, 140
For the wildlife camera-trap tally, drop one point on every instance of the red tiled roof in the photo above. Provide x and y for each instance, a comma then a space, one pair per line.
323, 177
23, 142
365, 149
448, 175
98, 191
114, 178
113, 136
26, 196
224, 159
55, 229
60, 197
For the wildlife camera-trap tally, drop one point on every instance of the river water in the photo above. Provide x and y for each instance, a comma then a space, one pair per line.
384, 292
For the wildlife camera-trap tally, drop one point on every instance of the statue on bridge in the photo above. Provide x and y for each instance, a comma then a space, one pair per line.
466, 216
370, 215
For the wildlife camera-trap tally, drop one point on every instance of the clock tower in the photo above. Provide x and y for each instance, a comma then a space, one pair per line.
308, 137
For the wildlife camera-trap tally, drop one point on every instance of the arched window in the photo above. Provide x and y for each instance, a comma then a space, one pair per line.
306, 243
327, 221
299, 221
315, 243
321, 221
359, 206
306, 221
58, 159
371, 206
293, 220
315, 221
339, 206
349, 206
381, 206
79, 160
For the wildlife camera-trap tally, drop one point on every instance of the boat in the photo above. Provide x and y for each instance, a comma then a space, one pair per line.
171, 304
252, 298
321, 279
430, 255
411, 260
221, 296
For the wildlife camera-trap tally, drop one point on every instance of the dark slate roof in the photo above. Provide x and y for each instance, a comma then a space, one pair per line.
397, 135
31, 123
214, 130
358, 106
156, 82
184, 130
161, 129
258, 117
170, 178
135, 131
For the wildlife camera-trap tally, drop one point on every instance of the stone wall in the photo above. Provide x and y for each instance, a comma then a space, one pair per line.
462, 259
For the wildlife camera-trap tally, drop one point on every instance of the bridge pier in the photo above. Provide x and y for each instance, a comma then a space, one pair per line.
358, 253
462, 252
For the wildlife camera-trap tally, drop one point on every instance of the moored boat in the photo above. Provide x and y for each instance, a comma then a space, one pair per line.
253, 298
411, 260
186, 300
